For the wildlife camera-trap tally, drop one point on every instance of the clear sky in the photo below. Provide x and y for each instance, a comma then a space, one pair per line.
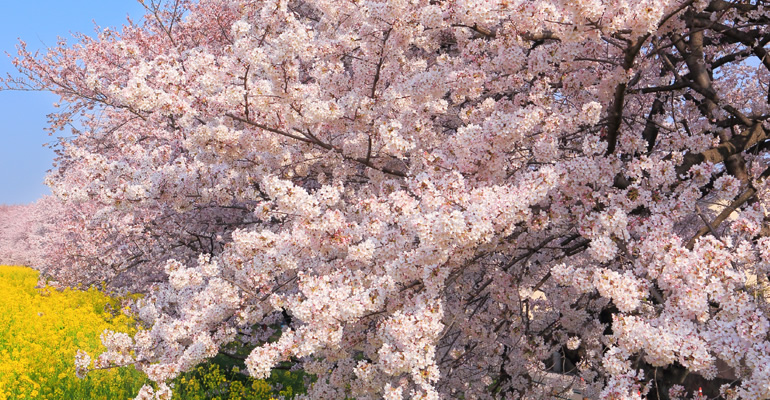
23, 159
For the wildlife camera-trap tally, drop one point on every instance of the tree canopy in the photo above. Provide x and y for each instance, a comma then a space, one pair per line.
431, 199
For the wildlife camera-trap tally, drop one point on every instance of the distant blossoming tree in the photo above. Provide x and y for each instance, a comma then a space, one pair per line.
457, 199
25, 230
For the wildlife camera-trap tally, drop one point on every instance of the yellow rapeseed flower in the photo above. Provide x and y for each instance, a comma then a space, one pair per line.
40, 332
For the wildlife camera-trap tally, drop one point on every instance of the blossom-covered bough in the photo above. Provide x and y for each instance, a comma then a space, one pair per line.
427, 199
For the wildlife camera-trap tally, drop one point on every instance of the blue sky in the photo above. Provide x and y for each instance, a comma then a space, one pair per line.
23, 159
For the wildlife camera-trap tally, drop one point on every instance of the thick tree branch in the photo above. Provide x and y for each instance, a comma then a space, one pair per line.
720, 153
714, 225
615, 116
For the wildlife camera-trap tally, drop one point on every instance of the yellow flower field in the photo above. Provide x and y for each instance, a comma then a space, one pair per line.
42, 329
40, 332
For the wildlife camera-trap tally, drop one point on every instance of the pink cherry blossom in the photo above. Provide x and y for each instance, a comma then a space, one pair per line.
420, 199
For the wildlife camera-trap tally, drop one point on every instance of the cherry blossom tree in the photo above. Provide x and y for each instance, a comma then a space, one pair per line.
25, 230
426, 199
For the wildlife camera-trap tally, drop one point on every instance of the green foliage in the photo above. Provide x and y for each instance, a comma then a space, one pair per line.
213, 382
